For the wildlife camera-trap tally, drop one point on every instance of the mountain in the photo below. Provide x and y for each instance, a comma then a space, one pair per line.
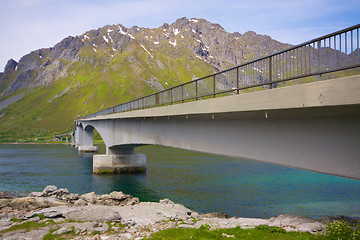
49, 88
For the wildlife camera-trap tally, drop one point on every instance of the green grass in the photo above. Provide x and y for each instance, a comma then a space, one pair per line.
260, 232
28, 226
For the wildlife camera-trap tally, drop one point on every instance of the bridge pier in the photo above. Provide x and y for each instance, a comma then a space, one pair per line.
119, 160
85, 142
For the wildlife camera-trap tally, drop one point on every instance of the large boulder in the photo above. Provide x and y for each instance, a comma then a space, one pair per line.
90, 197
32, 203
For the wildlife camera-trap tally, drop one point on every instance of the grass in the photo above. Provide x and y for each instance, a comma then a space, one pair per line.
260, 232
28, 226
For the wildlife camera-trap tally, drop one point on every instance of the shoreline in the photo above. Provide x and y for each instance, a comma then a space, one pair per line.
121, 216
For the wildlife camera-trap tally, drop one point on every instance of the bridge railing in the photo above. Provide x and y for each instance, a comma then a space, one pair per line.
334, 52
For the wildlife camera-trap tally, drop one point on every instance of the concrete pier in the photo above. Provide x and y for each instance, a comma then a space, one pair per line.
119, 160
85, 143
119, 163
88, 149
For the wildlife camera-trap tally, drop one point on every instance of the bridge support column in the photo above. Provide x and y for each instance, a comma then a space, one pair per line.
73, 140
86, 145
119, 160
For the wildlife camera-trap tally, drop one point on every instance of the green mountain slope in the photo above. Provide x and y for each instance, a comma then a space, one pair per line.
111, 65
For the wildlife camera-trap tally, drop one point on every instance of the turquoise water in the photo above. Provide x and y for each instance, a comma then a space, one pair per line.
202, 182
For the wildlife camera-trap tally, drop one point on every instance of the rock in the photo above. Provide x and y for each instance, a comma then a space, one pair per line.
96, 237
4, 202
80, 202
60, 192
166, 201
49, 189
71, 197
296, 223
33, 203
120, 196
36, 194
62, 231
33, 219
104, 197
90, 197
215, 215
132, 201
53, 214
126, 235
186, 226
10, 65
93, 213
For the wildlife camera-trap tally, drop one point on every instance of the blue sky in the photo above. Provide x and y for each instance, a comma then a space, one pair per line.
28, 25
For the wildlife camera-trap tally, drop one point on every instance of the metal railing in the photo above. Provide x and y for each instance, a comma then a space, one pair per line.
334, 52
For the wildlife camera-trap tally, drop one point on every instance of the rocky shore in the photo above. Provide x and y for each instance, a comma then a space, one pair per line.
115, 216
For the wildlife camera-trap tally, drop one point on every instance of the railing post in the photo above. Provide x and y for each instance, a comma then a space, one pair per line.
214, 86
319, 60
196, 90
237, 80
270, 72
182, 93
171, 99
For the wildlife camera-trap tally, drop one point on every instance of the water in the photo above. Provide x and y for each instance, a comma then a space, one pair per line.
202, 182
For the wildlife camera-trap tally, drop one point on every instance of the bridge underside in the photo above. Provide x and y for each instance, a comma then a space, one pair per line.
323, 138
327, 145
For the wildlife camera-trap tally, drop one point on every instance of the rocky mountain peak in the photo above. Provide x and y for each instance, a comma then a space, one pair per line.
10, 65
206, 42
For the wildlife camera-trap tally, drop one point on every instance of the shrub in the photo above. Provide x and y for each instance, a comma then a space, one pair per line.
341, 230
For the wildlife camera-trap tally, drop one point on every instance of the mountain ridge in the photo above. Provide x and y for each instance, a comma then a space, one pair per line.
114, 64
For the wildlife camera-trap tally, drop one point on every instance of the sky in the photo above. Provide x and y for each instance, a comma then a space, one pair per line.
28, 25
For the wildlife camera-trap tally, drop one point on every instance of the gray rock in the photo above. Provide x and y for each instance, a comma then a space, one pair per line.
297, 223
62, 231
186, 226
5, 202
53, 214
132, 201
49, 189
104, 197
166, 201
120, 196
36, 194
90, 197
33, 203
60, 192
71, 197
80, 202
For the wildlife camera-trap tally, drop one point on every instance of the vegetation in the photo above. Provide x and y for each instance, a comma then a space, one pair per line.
28, 226
260, 232
342, 230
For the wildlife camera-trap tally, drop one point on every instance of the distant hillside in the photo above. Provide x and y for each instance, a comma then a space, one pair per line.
104, 67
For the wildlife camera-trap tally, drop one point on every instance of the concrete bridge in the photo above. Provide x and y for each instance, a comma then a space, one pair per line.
313, 126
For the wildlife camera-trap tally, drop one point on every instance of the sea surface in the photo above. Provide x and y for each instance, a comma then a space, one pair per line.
202, 182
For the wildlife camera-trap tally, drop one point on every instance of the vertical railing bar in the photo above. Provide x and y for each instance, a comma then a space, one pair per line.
319, 60
270, 72
301, 60
346, 48
335, 53
358, 43
305, 57
340, 50
171, 96
237, 80
196, 90
214, 86
351, 42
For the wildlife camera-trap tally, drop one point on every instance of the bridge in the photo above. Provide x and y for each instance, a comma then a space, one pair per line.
299, 108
